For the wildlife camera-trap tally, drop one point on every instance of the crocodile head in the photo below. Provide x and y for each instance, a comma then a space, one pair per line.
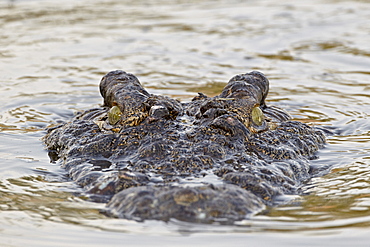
211, 159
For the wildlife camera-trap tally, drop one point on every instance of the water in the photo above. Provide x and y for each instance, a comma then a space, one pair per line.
52, 56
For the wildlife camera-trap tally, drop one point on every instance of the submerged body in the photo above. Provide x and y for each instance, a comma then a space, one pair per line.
218, 158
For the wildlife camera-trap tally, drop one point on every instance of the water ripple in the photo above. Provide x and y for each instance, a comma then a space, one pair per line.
52, 56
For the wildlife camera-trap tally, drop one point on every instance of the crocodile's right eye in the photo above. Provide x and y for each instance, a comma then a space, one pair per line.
114, 115
257, 116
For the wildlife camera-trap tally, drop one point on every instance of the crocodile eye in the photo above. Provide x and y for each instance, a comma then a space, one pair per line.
114, 115
257, 116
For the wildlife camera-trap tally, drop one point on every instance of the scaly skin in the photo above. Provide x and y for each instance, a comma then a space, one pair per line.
219, 158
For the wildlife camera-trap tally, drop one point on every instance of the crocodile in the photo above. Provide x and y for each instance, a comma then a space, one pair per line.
213, 159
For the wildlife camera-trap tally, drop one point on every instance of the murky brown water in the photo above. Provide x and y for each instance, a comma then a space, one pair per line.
53, 54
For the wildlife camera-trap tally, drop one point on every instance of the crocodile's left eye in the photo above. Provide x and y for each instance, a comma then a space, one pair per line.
257, 116
114, 115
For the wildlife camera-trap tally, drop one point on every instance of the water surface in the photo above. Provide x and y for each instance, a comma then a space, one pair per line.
52, 56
